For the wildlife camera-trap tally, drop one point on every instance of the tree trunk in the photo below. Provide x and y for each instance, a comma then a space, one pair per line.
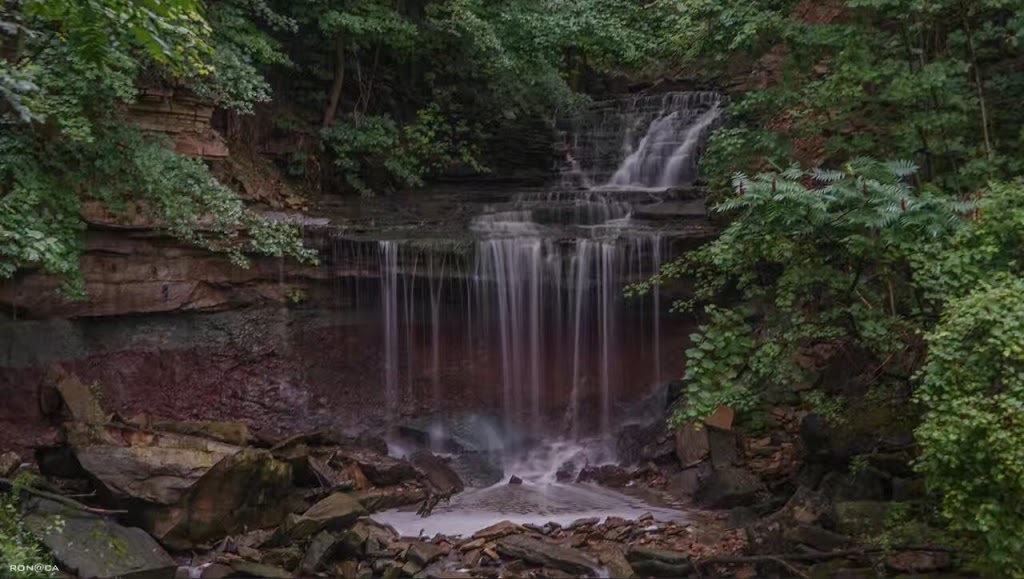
334, 98
979, 85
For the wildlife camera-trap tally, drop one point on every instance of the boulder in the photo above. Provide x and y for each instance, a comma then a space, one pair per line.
728, 487
423, 553
438, 474
380, 469
640, 444
691, 444
541, 553
478, 468
807, 506
9, 463
80, 400
723, 447
514, 480
335, 513
246, 490
567, 472
152, 467
612, 556
721, 418
382, 499
688, 481
87, 545
320, 550
358, 538
608, 475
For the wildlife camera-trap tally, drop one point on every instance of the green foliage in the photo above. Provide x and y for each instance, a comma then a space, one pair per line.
813, 257
715, 367
928, 81
361, 149
373, 152
973, 387
17, 543
972, 384
172, 33
242, 47
63, 149
831, 408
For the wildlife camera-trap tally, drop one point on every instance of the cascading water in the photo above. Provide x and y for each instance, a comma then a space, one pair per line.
531, 308
544, 311
641, 142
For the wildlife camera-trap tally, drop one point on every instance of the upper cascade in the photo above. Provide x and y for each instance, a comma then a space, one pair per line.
641, 142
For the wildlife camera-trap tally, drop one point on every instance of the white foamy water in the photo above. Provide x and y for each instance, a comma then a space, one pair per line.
538, 500
475, 509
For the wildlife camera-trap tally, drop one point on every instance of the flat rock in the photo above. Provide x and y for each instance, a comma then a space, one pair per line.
91, 546
153, 467
380, 469
541, 553
382, 499
335, 513
245, 490
423, 553
583, 522
499, 529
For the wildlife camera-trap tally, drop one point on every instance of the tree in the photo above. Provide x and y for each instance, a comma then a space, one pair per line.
66, 69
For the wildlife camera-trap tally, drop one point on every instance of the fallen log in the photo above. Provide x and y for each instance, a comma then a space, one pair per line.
9, 485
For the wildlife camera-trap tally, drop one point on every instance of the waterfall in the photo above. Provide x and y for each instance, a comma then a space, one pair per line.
641, 142
523, 316
389, 306
542, 315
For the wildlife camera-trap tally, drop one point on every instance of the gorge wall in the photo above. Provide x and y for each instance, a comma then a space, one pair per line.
469, 300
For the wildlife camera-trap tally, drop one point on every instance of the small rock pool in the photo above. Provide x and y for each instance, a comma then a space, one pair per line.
529, 502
